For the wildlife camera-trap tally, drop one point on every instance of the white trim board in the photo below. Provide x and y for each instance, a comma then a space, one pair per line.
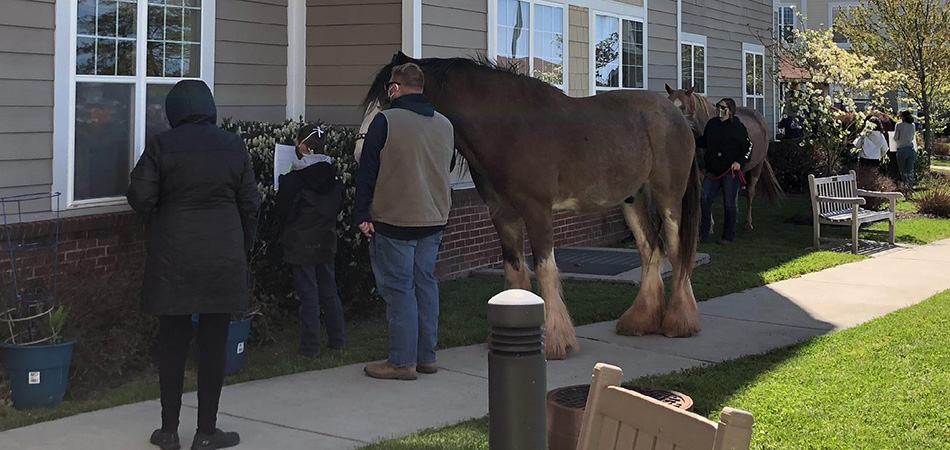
296, 59
412, 28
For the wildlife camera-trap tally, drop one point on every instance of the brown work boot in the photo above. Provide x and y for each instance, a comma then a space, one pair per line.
384, 371
427, 368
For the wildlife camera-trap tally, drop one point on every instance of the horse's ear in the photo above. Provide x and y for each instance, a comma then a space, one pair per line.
401, 58
669, 90
690, 90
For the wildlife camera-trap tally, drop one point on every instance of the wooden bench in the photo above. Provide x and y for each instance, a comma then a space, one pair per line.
837, 201
618, 418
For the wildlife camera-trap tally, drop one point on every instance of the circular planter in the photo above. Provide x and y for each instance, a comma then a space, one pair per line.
38, 373
238, 332
566, 405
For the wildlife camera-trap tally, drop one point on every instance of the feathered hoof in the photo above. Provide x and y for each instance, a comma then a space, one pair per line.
680, 325
639, 322
558, 342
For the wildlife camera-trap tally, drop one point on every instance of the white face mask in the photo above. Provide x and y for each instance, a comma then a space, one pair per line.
723, 113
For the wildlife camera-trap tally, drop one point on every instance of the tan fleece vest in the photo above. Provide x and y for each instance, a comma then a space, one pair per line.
413, 187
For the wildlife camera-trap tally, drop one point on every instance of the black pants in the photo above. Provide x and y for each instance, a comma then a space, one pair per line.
174, 335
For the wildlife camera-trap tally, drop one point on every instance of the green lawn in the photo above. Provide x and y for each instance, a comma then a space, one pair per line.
774, 251
881, 385
940, 162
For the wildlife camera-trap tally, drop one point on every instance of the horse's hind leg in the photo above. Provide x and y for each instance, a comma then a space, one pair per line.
559, 331
646, 314
682, 315
753, 180
510, 229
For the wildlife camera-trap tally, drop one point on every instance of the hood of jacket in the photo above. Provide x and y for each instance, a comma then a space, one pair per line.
316, 171
190, 101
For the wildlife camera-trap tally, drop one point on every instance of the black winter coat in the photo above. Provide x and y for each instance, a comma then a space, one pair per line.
196, 186
725, 143
308, 202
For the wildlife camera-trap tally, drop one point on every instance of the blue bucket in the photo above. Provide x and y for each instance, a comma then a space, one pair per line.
37, 373
238, 332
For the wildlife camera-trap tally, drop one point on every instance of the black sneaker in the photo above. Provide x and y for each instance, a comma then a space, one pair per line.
165, 440
219, 439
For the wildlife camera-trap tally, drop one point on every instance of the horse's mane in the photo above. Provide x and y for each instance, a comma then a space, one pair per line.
437, 71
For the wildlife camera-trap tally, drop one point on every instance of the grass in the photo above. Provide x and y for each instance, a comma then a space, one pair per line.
880, 385
774, 251
940, 162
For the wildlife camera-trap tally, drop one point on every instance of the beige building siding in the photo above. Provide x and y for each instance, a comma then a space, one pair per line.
632, 2
726, 25
661, 44
348, 41
579, 51
251, 59
26, 99
454, 28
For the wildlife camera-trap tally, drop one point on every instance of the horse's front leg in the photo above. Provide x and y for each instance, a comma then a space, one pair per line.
753, 180
559, 334
510, 229
645, 315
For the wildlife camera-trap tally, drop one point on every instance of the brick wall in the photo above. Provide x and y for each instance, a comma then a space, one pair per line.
104, 241
470, 241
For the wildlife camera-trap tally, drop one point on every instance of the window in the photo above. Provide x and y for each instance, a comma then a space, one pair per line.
834, 10
125, 57
754, 60
531, 35
693, 62
618, 53
786, 23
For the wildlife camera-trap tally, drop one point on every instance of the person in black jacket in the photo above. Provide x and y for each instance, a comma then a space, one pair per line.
728, 147
308, 202
195, 184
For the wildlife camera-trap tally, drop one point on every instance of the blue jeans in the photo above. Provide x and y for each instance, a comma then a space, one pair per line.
316, 287
906, 157
405, 277
730, 185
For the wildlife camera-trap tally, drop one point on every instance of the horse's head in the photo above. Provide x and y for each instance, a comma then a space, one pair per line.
377, 99
693, 108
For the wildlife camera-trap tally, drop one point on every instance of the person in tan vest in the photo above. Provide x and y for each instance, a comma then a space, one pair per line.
403, 195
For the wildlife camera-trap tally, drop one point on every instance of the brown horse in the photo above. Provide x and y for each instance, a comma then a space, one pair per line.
532, 150
698, 110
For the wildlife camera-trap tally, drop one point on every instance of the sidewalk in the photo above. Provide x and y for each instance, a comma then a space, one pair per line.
343, 409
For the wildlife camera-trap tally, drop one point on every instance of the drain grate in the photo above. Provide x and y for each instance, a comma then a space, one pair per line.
575, 397
594, 261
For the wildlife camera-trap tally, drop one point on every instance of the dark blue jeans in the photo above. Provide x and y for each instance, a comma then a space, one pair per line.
405, 277
730, 184
906, 157
316, 287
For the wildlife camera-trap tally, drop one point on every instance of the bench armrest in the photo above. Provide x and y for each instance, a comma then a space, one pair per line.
864, 193
847, 200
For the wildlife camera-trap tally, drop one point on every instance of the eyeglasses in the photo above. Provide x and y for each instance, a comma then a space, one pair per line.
391, 83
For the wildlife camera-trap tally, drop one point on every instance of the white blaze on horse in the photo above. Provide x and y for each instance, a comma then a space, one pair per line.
698, 110
532, 150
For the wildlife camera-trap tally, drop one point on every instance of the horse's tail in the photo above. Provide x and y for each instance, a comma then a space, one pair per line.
689, 220
768, 184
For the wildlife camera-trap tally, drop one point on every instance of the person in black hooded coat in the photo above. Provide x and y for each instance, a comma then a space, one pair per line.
195, 184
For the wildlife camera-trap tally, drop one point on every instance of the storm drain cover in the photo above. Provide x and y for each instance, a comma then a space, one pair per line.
588, 261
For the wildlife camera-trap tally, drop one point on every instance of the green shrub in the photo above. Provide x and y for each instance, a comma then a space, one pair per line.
273, 281
935, 202
871, 179
793, 162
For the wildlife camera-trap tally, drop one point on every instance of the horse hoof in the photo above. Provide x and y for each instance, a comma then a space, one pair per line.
638, 324
557, 344
683, 328
749, 227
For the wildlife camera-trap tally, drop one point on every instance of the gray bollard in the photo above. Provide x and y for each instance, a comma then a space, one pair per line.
517, 381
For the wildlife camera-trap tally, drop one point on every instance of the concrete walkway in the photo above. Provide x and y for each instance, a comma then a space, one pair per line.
343, 409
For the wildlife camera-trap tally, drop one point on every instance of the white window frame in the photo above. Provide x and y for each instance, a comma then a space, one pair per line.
758, 50
695, 40
794, 24
592, 50
831, 18
64, 111
565, 26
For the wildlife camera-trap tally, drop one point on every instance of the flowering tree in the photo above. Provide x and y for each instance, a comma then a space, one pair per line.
910, 37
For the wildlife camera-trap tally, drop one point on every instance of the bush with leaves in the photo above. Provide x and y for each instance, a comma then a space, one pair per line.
273, 280
793, 163
871, 179
823, 132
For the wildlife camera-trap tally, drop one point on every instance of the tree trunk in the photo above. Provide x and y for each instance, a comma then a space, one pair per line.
928, 128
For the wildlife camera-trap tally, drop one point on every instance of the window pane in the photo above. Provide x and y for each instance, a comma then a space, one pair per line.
104, 139
513, 21
86, 18
632, 54
155, 119
548, 44
156, 23
127, 15
105, 56
191, 60
107, 18
835, 12
686, 51
172, 60
699, 68
760, 105
749, 74
191, 30
85, 56
759, 75
173, 18
607, 51
125, 55
155, 59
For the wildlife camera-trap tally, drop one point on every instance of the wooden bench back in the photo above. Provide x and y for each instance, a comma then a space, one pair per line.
835, 186
620, 419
